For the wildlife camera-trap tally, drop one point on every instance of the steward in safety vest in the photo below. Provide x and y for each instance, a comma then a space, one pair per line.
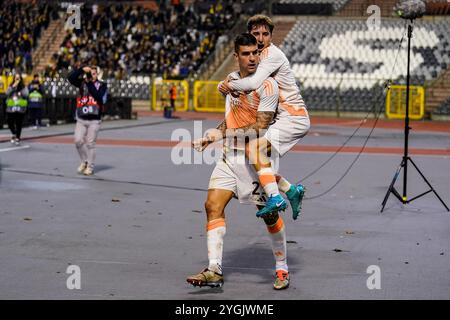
92, 96
36, 102
36, 96
16, 97
16, 107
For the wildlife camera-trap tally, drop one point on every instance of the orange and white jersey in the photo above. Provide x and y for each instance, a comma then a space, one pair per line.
273, 62
242, 111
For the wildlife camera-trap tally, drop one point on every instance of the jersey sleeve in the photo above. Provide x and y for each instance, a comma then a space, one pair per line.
266, 67
268, 94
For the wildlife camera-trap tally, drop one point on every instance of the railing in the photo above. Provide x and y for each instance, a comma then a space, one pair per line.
43, 49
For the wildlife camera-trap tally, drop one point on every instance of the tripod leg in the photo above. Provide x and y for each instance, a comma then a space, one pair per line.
391, 186
432, 189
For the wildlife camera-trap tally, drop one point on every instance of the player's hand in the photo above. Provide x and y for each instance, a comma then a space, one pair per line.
201, 144
224, 88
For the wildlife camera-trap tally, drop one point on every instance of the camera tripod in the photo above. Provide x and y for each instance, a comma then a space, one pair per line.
406, 157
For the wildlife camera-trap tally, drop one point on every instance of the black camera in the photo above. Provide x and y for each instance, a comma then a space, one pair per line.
410, 9
88, 75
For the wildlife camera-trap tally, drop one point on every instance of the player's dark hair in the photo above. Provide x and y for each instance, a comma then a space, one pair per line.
244, 39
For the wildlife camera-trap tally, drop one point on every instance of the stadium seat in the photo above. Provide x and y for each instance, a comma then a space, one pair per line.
345, 54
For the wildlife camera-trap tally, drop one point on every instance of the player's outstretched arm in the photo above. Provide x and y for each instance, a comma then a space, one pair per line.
211, 135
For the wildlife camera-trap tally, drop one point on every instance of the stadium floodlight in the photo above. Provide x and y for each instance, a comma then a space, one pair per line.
410, 10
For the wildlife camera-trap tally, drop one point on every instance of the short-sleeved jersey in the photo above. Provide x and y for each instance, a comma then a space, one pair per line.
242, 111
273, 62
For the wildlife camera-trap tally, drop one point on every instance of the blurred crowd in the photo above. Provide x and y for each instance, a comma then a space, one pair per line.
21, 25
170, 41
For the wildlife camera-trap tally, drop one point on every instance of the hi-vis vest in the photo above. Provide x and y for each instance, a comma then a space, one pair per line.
86, 104
16, 103
35, 98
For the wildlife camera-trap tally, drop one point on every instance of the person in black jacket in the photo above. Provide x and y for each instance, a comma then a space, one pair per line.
16, 107
36, 102
90, 107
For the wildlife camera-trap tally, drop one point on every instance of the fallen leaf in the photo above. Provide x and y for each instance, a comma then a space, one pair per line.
349, 232
340, 250
441, 253
115, 200
291, 241
197, 211
27, 219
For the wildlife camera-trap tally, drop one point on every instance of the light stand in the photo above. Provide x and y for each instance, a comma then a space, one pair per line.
406, 158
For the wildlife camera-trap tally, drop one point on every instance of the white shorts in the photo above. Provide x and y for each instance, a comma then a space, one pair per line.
286, 132
239, 178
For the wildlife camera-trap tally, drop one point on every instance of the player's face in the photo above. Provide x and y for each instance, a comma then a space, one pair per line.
248, 59
263, 36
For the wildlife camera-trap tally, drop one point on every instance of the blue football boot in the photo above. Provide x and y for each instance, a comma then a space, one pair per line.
274, 204
295, 196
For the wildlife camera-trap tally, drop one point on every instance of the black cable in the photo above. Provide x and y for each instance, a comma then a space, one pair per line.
353, 162
386, 86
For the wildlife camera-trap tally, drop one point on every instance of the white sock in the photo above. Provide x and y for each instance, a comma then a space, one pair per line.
283, 184
268, 181
277, 234
216, 230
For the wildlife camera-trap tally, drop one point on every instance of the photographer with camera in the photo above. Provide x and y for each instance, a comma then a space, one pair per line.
90, 107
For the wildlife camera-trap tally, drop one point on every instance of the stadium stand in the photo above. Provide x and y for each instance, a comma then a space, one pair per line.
21, 25
343, 55
338, 63
171, 42
336, 4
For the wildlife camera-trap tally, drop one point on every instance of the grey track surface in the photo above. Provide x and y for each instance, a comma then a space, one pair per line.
144, 245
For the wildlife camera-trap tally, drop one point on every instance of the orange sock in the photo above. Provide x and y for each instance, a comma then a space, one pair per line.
268, 181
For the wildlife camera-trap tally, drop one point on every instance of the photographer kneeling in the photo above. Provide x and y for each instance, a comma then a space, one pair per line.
90, 107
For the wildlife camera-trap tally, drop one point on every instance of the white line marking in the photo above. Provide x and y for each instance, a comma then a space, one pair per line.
106, 262
14, 148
